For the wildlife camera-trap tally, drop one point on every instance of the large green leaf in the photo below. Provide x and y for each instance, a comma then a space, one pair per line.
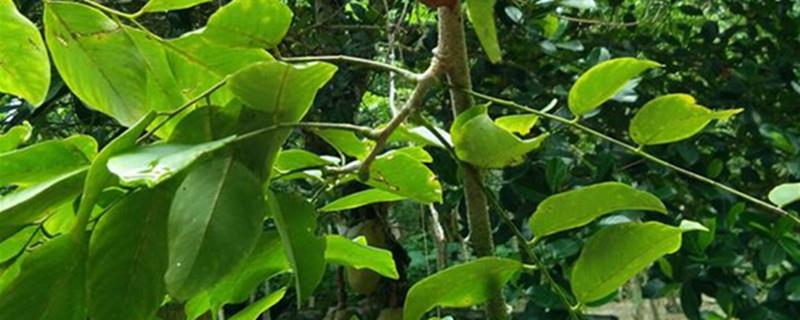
260, 306
250, 23
214, 222
43, 161
402, 174
50, 284
460, 286
128, 257
360, 199
265, 261
481, 14
24, 65
97, 61
615, 254
481, 142
357, 254
14, 137
39, 201
785, 194
298, 159
604, 81
14, 243
167, 5
578, 207
154, 164
278, 93
671, 118
297, 222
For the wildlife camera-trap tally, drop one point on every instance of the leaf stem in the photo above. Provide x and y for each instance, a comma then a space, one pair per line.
574, 312
368, 132
356, 60
638, 151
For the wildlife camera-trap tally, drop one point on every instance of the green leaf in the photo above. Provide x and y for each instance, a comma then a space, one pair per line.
402, 174
604, 81
41, 200
689, 226
11, 246
785, 194
615, 254
98, 177
360, 199
265, 261
50, 284
214, 222
459, 286
24, 65
206, 123
97, 61
481, 14
345, 141
480, 141
250, 23
15, 136
260, 306
167, 5
281, 89
43, 161
128, 257
671, 118
278, 93
297, 222
518, 123
154, 164
357, 254
575, 208
298, 159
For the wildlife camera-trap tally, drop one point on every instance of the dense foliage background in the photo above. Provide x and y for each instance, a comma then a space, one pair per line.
737, 53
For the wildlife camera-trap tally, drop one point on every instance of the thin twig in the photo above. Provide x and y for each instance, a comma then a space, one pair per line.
414, 103
349, 59
638, 151
523, 242
600, 22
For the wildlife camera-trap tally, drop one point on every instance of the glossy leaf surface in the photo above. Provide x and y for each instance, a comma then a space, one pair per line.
250, 23
357, 254
24, 65
785, 194
616, 253
672, 118
575, 208
360, 199
167, 5
604, 81
402, 174
481, 14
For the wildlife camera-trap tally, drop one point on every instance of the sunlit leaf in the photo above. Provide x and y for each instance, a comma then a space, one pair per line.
153, 164
575, 208
616, 253
97, 61
14, 137
481, 14
297, 223
167, 5
480, 141
128, 257
671, 118
250, 23
24, 65
357, 254
39, 201
460, 286
603, 81
260, 306
298, 159
360, 199
11, 246
402, 174
214, 222
345, 141
43, 161
518, 123
785, 194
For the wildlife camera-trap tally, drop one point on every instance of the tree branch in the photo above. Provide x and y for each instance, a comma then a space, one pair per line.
638, 151
356, 60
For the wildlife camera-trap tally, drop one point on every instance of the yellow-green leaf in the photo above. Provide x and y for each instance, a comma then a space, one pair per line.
617, 253
785, 194
250, 23
604, 81
460, 286
360, 199
575, 208
672, 118
167, 5
357, 254
481, 14
24, 65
